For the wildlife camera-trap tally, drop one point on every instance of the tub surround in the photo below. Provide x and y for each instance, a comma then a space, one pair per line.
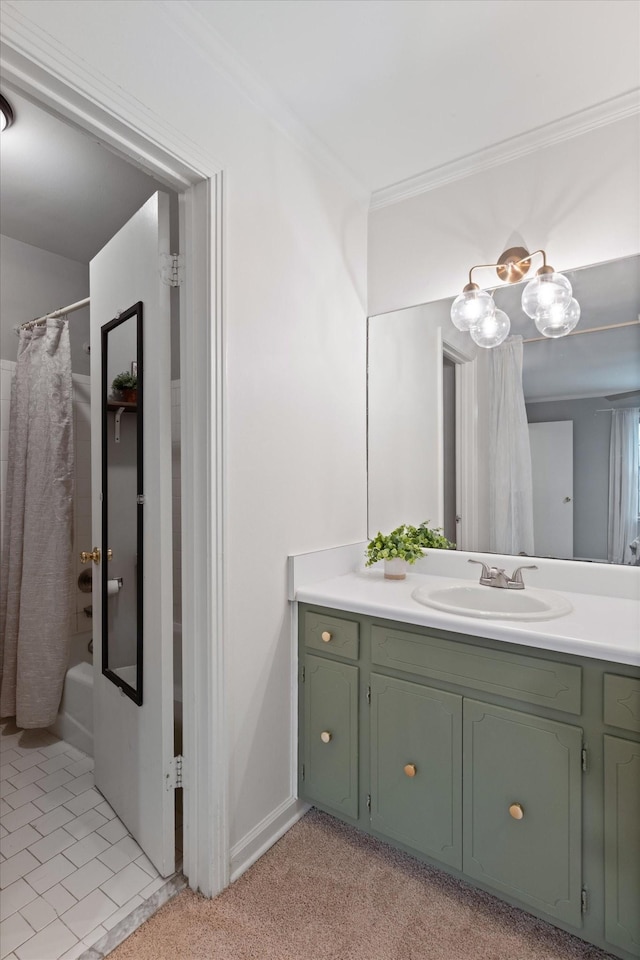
604, 623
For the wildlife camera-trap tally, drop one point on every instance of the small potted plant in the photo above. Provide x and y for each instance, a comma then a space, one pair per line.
403, 546
397, 549
125, 387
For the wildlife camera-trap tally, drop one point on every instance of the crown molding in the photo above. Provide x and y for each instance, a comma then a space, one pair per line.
42, 66
574, 125
186, 20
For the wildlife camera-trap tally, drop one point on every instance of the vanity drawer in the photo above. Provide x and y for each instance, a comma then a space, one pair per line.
529, 679
622, 702
331, 633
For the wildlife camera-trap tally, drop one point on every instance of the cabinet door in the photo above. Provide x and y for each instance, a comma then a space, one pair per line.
622, 843
522, 807
416, 777
330, 739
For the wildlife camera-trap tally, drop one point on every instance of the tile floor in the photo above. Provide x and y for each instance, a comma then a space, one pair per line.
69, 870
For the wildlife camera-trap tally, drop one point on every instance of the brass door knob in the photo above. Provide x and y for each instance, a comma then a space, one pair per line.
87, 557
411, 769
325, 736
326, 636
516, 811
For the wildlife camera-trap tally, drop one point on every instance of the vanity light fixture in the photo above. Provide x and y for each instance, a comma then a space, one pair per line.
547, 299
7, 115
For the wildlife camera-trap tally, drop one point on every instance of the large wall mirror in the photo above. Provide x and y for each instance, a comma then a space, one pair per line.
122, 501
442, 448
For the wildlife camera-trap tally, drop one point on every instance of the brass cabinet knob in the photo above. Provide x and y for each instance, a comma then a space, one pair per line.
411, 769
326, 636
325, 736
516, 811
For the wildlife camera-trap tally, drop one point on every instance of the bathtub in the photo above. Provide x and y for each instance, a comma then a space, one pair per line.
74, 722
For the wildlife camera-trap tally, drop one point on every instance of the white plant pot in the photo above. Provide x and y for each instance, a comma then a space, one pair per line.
395, 569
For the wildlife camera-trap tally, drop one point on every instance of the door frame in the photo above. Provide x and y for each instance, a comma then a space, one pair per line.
69, 87
466, 443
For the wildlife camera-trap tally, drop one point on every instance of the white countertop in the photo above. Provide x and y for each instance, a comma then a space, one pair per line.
604, 628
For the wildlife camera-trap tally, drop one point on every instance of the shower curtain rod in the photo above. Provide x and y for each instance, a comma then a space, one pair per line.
63, 311
579, 333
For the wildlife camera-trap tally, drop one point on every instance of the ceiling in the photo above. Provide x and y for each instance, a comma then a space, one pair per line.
397, 87
62, 190
392, 88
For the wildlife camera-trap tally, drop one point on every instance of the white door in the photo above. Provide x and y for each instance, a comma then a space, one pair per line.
552, 469
134, 741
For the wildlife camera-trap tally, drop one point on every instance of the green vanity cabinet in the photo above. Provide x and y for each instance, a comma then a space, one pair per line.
514, 768
331, 734
416, 776
622, 843
523, 805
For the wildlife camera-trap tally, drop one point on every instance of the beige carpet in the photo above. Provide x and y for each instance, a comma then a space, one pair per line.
327, 892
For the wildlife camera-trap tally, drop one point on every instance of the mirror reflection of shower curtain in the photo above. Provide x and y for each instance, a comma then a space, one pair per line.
510, 478
35, 588
623, 485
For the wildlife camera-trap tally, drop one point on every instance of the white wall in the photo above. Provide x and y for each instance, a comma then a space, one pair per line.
578, 199
295, 294
35, 282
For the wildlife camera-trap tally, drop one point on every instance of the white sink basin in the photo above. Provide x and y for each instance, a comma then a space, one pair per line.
494, 603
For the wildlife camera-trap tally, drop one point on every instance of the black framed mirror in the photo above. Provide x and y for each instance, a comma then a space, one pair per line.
122, 501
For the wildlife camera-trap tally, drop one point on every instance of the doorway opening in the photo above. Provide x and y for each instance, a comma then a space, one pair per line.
203, 872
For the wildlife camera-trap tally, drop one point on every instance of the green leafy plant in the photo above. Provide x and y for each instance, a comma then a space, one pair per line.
406, 543
124, 381
399, 544
431, 537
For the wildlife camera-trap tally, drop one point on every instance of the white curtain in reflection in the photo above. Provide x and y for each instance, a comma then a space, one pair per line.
623, 485
510, 478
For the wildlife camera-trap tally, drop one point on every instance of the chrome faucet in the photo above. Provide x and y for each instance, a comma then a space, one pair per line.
496, 576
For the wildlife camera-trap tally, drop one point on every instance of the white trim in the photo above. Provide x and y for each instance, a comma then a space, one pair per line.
245, 853
42, 67
206, 839
466, 445
197, 30
439, 465
574, 125
467, 451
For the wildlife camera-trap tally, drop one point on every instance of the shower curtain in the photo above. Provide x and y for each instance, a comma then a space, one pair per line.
35, 587
623, 485
510, 479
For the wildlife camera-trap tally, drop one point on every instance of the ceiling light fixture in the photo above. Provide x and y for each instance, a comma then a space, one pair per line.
547, 299
7, 115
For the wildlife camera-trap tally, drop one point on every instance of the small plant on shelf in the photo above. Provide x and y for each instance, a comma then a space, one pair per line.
125, 387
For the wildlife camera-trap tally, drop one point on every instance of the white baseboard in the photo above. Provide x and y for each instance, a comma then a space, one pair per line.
245, 853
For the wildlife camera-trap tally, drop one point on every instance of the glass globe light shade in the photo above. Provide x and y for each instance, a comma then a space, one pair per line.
491, 331
558, 321
471, 307
544, 292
